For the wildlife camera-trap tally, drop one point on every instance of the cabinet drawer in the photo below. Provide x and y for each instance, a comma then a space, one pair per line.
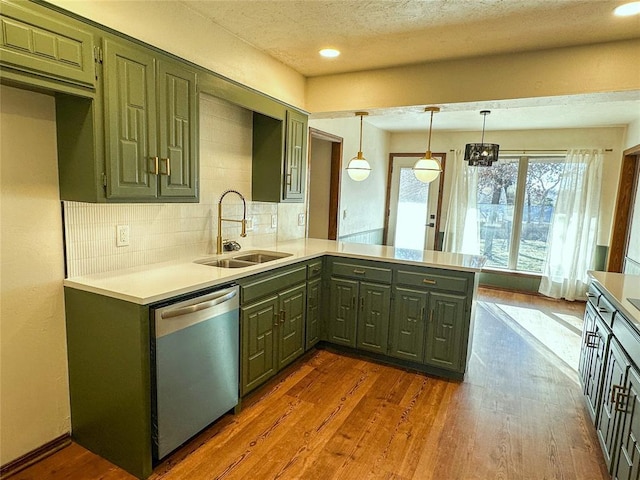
426, 279
606, 310
315, 269
34, 42
354, 270
593, 294
271, 282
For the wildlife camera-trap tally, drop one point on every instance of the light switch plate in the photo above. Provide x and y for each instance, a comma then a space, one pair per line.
301, 219
122, 235
274, 221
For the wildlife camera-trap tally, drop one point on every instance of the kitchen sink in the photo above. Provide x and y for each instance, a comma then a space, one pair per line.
252, 257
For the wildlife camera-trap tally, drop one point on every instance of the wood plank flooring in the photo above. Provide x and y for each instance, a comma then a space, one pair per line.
519, 414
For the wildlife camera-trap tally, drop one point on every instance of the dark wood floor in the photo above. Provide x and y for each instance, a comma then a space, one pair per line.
519, 414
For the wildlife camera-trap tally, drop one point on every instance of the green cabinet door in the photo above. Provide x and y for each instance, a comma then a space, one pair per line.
314, 302
258, 349
627, 458
373, 317
295, 157
615, 376
597, 348
36, 41
292, 316
341, 322
407, 324
445, 330
586, 352
130, 125
178, 147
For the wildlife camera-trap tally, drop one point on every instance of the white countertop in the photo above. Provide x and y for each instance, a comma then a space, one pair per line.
621, 287
152, 283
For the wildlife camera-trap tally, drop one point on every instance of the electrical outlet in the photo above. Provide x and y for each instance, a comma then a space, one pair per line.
122, 235
249, 226
301, 219
274, 221
344, 214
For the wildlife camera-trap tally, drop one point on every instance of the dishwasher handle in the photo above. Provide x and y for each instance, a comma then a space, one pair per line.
178, 312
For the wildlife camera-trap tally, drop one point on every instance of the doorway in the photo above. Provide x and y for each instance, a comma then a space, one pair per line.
323, 184
624, 254
413, 207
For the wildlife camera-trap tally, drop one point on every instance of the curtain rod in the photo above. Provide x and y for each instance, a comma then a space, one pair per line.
525, 151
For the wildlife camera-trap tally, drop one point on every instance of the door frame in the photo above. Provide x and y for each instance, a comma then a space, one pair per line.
336, 178
627, 186
387, 209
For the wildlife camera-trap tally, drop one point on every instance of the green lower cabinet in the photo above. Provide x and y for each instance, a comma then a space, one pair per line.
616, 369
446, 326
272, 332
258, 359
314, 302
407, 327
627, 459
373, 317
292, 317
341, 324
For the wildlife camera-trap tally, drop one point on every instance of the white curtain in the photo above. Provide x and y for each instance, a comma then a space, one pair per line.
574, 227
461, 234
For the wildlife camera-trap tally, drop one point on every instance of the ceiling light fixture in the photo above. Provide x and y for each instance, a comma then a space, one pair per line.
358, 168
627, 10
427, 169
481, 154
329, 52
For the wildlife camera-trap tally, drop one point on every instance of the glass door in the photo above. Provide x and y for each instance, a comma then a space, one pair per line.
413, 207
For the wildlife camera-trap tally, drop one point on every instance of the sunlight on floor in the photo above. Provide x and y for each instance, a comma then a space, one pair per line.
555, 335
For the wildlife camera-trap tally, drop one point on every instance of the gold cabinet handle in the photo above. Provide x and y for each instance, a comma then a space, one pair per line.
168, 172
156, 166
422, 314
362, 303
282, 316
288, 180
358, 272
428, 281
353, 302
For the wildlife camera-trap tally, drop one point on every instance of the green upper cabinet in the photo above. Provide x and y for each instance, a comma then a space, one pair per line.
150, 125
295, 157
279, 157
42, 47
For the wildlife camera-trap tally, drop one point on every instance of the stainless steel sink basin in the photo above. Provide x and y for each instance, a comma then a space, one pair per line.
228, 263
261, 257
251, 257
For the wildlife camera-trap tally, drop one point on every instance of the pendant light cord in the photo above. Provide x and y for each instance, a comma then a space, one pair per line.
360, 149
430, 127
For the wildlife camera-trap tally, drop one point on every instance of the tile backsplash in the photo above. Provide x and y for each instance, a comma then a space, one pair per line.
162, 232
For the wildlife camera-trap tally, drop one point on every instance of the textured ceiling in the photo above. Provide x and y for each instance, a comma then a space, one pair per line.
384, 33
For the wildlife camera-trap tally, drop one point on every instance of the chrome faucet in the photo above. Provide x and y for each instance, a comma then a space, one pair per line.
243, 222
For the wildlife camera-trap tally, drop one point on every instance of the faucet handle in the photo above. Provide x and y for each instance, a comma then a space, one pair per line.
230, 245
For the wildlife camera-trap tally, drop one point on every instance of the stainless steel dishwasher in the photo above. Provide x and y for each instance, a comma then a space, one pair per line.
195, 365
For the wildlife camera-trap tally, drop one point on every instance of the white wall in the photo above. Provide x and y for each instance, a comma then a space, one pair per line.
34, 391
633, 134
364, 201
531, 140
175, 28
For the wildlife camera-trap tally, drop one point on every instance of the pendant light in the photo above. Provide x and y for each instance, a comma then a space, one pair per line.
481, 154
427, 169
358, 168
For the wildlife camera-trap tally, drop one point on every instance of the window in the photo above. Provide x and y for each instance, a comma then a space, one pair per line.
516, 197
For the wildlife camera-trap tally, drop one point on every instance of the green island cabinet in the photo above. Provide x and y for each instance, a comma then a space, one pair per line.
610, 378
138, 140
272, 323
279, 157
359, 305
409, 315
315, 286
44, 48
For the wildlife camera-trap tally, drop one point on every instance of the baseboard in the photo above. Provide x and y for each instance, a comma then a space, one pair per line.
34, 456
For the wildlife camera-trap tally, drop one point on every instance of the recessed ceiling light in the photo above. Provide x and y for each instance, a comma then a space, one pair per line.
329, 52
627, 9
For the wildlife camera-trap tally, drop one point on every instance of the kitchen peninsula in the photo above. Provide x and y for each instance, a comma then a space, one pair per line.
413, 309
